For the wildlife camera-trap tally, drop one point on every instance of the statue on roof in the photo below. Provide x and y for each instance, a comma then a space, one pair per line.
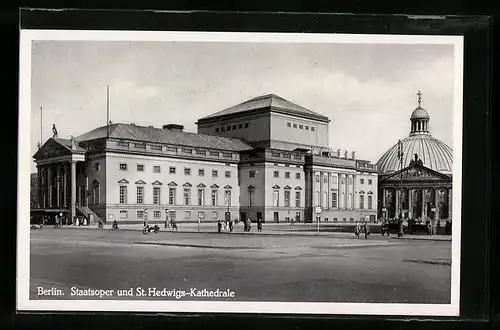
353, 154
54, 131
338, 153
345, 154
73, 143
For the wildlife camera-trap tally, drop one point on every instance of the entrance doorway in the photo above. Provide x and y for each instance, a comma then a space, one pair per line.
243, 216
276, 217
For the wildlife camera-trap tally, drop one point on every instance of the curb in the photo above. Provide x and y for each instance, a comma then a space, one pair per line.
423, 239
200, 246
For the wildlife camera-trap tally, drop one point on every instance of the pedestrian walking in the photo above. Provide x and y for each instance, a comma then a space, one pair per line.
249, 224
357, 229
366, 229
400, 228
230, 226
259, 225
219, 226
174, 224
438, 227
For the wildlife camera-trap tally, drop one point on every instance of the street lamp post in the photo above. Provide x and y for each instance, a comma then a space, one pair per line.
318, 216
166, 218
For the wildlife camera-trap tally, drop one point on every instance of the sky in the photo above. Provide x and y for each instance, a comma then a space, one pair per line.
367, 90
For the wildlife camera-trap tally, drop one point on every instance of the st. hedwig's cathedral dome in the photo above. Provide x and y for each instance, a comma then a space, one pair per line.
433, 153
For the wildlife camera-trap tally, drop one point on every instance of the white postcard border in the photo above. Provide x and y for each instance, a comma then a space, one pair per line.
24, 161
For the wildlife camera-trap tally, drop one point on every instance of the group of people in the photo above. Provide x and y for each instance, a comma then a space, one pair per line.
227, 226
362, 228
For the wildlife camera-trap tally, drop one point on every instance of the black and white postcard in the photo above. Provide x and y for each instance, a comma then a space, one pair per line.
240, 172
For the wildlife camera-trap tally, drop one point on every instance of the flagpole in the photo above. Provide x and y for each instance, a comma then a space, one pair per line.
41, 126
107, 111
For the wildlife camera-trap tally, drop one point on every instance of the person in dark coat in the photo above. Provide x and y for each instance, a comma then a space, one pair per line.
400, 229
366, 229
259, 225
230, 225
219, 226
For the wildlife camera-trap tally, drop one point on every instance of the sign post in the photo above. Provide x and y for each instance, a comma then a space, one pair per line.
201, 215
318, 211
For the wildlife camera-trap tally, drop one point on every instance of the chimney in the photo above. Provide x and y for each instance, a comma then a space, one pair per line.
174, 127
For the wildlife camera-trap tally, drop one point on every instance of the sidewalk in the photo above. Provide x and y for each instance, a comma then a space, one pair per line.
443, 238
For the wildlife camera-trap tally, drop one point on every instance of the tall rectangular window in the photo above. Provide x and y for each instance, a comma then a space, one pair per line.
227, 197
297, 199
369, 181
140, 195
251, 197
171, 196
156, 196
287, 198
201, 197
287, 175
276, 198
370, 202
187, 196
214, 197
361, 201
297, 176
325, 199
251, 174
317, 198
123, 194
334, 199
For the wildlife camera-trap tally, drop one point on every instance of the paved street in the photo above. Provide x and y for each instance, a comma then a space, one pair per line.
334, 267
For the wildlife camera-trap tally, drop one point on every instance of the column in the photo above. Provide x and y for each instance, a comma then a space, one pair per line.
423, 204
73, 189
65, 185
450, 199
436, 203
58, 186
410, 203
320, 202
397, 192
49, 185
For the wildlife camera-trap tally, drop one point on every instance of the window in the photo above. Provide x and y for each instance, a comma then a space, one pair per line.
251, 195
240, 126
297, 199
234, 127
351, 219
187, 150
96, 167
222, 129
228, 128
171, 149
307, 127
171, 170
227, 198
187, 196
275, 154
201, 172
361, 181
140, 168
140, 214
317, 178
97, 192
334, 199
123, 167
297, 176
361, 201
325, 179
227, 155
201, 197
122, 144
140, 145
157, 148
276, 174
276, 198
369, 181
216, 130
287, 175
172, 215
187, 215
312, 128
335, 219
140, 195
294, 125
246, 125
287, 198
201, 152
171, 196
157, 214
317, 198
215, 173
187, 171
301, 126
156, 196
287, 156
156, 169
227, 174
370, 202
214, 197
123, 194
123, 214
201, 215
251, 174
288, 124
297, 157
287, 165
213, 153
325, 199
215, 215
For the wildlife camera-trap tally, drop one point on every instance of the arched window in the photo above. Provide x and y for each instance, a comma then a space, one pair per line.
96, 192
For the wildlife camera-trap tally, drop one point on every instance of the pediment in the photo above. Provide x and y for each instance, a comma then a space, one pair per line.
187, 184
123, 181
157, 183
287, 187
228, 187
276, 186
201, 185
251, 187
140, 182
416, 172
172, 184
214, 186
298, 188
51, 149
